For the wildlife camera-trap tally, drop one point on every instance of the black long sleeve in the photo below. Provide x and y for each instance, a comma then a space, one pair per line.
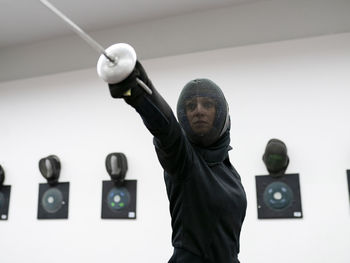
207, 199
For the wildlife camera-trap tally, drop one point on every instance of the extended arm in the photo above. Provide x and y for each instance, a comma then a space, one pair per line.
158, 117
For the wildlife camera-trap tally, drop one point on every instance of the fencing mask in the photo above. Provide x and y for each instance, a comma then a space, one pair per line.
276, 158
202, 111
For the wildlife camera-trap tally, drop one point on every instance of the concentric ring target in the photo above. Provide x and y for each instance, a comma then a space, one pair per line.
118, 198
52, 200
278, 196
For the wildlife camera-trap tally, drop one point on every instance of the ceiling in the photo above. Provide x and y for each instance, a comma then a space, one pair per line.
43, 44
27, 21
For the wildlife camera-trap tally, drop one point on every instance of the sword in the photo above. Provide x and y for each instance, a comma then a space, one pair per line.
93, 43
107, 71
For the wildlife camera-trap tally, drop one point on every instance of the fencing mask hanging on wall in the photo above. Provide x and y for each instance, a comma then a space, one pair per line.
276, 158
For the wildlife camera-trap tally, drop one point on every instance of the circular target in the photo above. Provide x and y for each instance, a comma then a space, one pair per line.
278, 196
52, 200
2, 200
118, 198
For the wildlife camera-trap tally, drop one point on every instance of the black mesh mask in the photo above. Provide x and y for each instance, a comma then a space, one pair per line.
202, 111
276, 158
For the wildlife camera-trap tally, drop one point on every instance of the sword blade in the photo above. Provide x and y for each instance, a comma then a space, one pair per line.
92, 42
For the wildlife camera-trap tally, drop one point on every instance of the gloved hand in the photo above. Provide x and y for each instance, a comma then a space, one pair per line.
129, 89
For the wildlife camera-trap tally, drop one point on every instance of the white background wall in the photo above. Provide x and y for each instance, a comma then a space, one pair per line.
297, 91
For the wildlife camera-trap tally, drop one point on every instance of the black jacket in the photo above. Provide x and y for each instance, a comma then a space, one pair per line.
207, 199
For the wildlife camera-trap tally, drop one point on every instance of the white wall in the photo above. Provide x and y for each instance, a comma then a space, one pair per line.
297, 91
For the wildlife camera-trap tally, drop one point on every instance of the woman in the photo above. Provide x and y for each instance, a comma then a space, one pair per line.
207, 199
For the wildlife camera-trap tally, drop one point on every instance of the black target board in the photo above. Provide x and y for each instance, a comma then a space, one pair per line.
348, 175
5, 191
278, 197
53, 201
119, 201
